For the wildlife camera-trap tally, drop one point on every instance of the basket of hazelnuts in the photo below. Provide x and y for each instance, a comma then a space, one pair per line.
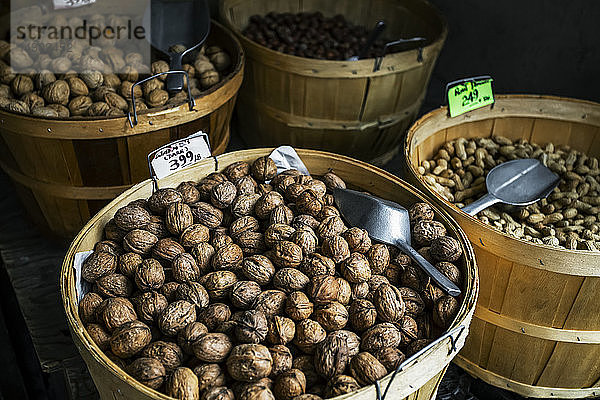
245, 283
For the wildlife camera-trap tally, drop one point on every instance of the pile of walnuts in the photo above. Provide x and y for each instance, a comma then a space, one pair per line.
233, 287
51, 87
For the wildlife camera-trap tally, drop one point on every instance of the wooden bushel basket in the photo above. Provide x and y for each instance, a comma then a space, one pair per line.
339, 106
419, 379
66, 170
536, 329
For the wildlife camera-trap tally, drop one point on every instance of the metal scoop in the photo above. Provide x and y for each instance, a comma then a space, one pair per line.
177, 22
517, 182
387, 222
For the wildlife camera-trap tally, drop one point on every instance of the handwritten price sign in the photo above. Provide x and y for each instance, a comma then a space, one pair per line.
469, 94
61, 4
180, 154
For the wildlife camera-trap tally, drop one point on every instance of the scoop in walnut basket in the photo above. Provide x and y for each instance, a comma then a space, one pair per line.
387, 222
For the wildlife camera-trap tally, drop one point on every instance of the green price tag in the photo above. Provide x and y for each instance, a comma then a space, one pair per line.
469, 94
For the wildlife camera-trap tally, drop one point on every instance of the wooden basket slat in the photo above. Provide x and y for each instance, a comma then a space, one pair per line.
417, 381
537, 303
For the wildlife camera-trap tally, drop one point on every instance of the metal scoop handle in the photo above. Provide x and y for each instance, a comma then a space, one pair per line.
445, 284
480, 204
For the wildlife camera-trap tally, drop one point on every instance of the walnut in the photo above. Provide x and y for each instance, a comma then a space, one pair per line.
281, 330
258, 268
305, 220
414, 278
209, 375
243, 224
331, 356
98, 264
323, 288
99, 336
244, 204
249, 362
244, 293
319, 188
287, 254
356, 268
214, 315
336, 248
115, 102
420, 211
183, 384
207, 183
212, 347
317, 264
450, 270
251, 327
45, 112
45, 77
289, 280
276, 233
245, 185
331, 315
263, 169
148, 371
222, 194
150, 305
271, 302
206, 214
306, 239
267, 203
309, 334
236, 170
379, 336
308, 202
189, 192
412, 300
97, 109
168, 353
409, 329
22, 84
358, 240
176, 316
219, 58
298, 306
282, 359
193, 235
116, 311
444, 311
189, 334
130, 338
149, 275
390, 357
360, 290
341, 384
161, 198
56, 92
330, 227
88, 307
17, 106
281, 215
379, 258
79, 105
366, 369
218, 393
184, 268
114, 285
167, 249
289, 384
139, 241
251, 243
203, 253
127, 88
131, 217
209, 78
178, 217
445, 248
228, 257
424, 231
362, 314
33, 101
218, 284
194, 293
157, 98
388, 303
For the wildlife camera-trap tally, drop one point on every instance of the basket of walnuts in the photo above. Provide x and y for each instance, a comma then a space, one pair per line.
234, 281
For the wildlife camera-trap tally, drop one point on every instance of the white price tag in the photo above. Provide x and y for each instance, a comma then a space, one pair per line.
180, 154
285, 158
62, 4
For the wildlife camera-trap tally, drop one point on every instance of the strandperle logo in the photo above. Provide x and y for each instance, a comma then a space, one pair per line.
86, 31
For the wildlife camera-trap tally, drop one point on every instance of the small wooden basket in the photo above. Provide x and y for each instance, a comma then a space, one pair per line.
344, 107
536, 329
420, 377
66, 170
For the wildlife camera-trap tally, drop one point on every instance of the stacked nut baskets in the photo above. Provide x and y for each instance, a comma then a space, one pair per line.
229, 286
